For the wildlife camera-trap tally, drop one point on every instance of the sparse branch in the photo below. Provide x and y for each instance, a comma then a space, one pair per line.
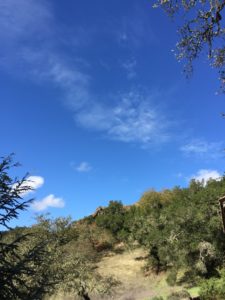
202, 31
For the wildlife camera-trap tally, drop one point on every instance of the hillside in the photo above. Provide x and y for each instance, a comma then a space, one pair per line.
175, 237
127, 268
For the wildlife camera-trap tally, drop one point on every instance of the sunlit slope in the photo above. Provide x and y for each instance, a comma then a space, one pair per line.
127, 267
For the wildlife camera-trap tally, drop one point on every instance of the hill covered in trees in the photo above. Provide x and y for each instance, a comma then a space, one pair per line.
179, 230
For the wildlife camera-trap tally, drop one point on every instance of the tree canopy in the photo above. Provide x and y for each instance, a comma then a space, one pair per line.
201, 31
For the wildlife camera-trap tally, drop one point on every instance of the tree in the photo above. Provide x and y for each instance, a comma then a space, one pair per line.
82, 279
11, 203
202, 30
70, 267
40, 260
25, 256
112, 217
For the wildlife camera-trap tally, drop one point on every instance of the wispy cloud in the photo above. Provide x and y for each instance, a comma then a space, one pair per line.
205, 175
23, 19
73, 82
134, 29
203, 149
129, 66
133, 118
83, 167
30, 28
179, 175
127, 117
23, 24
49, 201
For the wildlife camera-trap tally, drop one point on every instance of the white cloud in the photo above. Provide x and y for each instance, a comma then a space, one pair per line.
203, 149
34, 182
206, 175
84, 167
49, 201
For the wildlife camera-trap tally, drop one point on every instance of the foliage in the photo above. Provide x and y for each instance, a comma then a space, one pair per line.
42, 259
82, 279
185, 231
92, 240
112, 217
202, 29
171, 278
25, 256
213, 288
71, 247
181, 228
11, 191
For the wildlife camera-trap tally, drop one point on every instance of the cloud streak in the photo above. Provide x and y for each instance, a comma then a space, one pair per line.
203, 149
84, 167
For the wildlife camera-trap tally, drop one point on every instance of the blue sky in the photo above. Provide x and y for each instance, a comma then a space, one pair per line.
96, 107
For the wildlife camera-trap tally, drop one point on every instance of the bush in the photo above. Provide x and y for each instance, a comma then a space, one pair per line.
172, 278
112, 218
213, 288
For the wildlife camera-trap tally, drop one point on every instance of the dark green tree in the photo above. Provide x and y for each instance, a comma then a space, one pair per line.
112, 217
25, 256
11, 204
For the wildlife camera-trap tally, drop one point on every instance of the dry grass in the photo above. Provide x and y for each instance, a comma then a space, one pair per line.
126, 268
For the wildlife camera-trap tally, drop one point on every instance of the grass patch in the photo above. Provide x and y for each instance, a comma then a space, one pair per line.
194, 292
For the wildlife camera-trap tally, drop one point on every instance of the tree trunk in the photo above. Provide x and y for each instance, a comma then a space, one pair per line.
86, 297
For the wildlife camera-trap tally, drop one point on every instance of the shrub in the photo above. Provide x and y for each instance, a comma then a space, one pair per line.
213, 288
